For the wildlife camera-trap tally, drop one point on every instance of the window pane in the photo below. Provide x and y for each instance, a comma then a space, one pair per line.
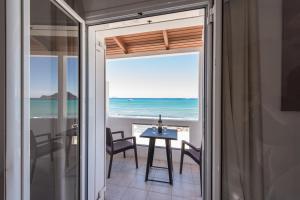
54, 106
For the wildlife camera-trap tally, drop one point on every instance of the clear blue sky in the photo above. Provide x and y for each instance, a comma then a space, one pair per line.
44, 75
167, 76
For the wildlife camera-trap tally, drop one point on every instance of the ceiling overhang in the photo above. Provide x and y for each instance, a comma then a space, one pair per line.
155, 42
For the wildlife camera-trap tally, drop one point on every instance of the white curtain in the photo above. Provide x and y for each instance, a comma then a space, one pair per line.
242, 170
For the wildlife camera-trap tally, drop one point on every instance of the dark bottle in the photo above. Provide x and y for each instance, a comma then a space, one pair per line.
159, 129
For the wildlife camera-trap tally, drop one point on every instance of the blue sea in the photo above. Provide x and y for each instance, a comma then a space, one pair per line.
173, 108
42, 108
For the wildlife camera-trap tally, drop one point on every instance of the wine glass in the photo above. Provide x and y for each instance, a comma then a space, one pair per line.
154, 129
164, 129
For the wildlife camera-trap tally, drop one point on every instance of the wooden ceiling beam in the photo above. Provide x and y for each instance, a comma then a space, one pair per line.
166, 39
157, 41
121, 44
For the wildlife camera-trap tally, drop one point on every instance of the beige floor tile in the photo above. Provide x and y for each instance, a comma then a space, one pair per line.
127, 182
185, 190
158, 196
114, 192
120, 178
163, 188
134, 194
139, 183
184, 178
185, 198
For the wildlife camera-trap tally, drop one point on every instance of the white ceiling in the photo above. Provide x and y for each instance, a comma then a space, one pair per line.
97, 11
103, 11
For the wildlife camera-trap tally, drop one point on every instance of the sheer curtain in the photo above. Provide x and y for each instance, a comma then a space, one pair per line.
242, 170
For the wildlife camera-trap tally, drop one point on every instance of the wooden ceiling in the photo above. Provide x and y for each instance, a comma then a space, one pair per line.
51, 40
156, 41
48, 44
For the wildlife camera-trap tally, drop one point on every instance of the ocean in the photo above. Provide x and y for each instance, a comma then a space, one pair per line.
173, 108
48, 108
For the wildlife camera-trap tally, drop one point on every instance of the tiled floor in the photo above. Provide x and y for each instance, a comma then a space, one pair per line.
127, 182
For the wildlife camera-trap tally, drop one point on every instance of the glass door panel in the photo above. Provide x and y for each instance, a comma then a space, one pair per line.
54, 103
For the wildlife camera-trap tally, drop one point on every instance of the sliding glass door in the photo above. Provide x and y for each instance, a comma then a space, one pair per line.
55, 93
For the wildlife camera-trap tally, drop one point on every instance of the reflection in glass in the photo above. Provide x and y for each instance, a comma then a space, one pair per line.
54, 105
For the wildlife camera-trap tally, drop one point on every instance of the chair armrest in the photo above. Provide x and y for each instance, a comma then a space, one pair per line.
127, 138
57, 138
68, 132
189, 144
42, 135
45, 141
119, 132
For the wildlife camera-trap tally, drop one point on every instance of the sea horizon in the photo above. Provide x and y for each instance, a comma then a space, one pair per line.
152, 98
168, 107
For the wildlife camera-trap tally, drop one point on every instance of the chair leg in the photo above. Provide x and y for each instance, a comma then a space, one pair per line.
124, 154
200, 180
32, 170
68, 151
181, 161
152, 154
51, 151
136, 159
110, 163
51, 155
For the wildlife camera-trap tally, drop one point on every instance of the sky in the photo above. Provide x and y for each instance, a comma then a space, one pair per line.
166, 76
44, 75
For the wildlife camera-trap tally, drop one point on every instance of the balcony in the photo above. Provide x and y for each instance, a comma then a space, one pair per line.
127, 182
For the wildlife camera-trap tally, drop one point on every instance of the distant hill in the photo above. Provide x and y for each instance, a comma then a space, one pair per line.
70, 96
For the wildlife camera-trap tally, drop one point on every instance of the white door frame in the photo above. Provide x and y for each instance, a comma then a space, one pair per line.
217, 100
96, 105
214, 98
17, 62
13, 99
18, 98
212, 169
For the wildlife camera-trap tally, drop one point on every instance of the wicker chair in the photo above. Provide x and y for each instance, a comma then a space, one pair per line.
118, 146
45, 146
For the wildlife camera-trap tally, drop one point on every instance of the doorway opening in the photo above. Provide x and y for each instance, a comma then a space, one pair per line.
61, 112
154, 67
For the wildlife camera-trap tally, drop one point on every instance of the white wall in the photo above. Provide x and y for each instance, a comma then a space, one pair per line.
281, 129
124, 124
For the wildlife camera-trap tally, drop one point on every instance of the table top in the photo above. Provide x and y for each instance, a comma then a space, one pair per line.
166, 134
